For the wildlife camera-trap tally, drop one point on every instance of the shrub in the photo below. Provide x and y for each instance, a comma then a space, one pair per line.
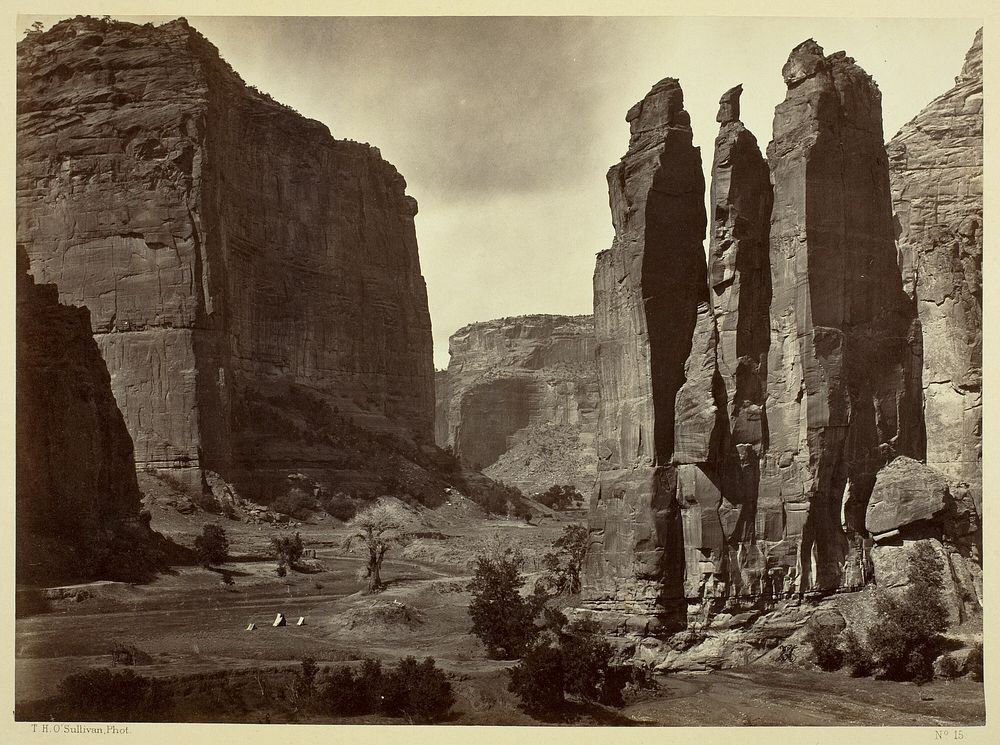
904, 640
975, 663
949, 667
579, 663
857, 655
824, 638
560, 497
212, 546
501, 618
294, 502
539, 680
287, 550
339, 505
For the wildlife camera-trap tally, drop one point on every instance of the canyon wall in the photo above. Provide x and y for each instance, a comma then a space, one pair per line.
519, 400
236, 259
78, 502
936, 171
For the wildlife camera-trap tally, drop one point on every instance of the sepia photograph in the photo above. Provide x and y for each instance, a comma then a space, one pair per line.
498, 370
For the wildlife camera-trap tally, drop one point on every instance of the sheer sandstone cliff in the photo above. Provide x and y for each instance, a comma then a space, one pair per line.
936, 170
235, 258
519, 400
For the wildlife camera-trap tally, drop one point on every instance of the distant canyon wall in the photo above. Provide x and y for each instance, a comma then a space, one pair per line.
233, 255
519, 400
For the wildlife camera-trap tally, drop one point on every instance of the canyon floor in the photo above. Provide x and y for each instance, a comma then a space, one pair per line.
191, 628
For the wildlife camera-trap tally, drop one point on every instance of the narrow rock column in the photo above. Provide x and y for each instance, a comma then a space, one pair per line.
721, 425
647, 290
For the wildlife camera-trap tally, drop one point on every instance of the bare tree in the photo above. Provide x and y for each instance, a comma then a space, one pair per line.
379, 527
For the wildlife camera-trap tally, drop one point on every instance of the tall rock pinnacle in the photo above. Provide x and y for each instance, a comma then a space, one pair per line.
648, 288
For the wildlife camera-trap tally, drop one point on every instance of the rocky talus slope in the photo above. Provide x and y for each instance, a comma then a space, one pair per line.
250, 279
762, 417
519, 400
936, 172
77, 501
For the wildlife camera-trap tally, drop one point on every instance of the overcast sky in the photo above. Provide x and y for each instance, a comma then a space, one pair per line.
505, 127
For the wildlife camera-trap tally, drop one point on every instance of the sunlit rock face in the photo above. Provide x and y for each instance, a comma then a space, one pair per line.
936, 171
650, 290
519, 400
230, 251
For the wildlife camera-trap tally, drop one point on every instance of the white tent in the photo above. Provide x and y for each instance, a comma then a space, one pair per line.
279, 620
301, 621
251, 627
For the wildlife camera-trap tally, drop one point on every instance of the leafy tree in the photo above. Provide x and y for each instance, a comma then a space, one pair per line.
501, 618
905, 638
287, 550
378, 528
212, 546
560, 497
564, 565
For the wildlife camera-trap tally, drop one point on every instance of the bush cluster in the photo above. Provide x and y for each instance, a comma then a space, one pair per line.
416, 690
904, 639
571, 660
100, 695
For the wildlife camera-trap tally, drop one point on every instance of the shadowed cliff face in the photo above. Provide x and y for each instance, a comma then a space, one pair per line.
936, 170
519, 400
230, 251
78, 502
